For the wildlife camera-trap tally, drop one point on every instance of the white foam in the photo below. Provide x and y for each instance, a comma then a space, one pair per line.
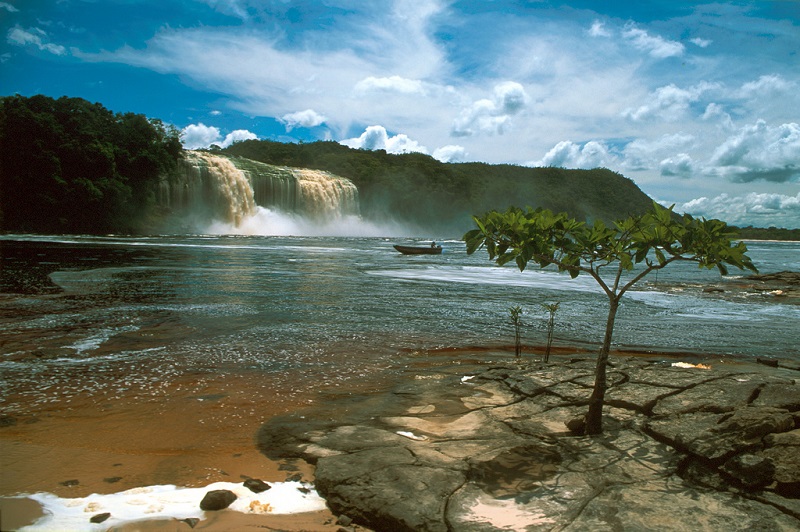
165, 502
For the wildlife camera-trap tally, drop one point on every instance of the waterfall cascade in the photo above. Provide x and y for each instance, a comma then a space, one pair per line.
230, 190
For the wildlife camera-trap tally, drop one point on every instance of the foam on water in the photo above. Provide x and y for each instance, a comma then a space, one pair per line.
165, 502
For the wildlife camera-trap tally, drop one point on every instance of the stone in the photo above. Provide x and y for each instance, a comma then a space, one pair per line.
255, 485
216, 500
682, 449
751, 470
99, 518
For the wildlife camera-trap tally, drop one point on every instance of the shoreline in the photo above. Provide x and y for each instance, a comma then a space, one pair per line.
126, 446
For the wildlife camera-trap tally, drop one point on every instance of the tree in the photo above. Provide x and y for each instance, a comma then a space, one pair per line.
616, 257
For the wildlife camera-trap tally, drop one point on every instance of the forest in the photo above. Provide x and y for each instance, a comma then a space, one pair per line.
72, 166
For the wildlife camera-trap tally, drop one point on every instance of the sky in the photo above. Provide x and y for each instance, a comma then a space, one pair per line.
698, 103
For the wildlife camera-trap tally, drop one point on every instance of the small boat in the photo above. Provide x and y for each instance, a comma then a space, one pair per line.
419, 250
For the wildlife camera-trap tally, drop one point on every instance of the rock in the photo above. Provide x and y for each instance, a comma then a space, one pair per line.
99, 518
783, 450
577, 426
717, 395
217, 500
343, 520
771, 362
717, 437
191, 521
255, 485
751, 470
682, 449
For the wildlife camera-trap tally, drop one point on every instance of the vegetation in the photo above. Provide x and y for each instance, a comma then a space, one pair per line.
616, 257
516, 321
552, 308
416, 187
762, 233
69, 165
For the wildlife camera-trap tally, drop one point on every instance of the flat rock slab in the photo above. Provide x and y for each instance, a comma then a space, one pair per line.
486, 449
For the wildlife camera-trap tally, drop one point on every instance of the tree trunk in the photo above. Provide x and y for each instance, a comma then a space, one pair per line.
594, 418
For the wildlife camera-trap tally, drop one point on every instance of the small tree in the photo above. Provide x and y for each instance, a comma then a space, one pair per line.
516, 321
609, 255
552, 308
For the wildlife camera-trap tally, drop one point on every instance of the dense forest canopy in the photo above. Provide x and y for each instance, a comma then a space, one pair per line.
68, 165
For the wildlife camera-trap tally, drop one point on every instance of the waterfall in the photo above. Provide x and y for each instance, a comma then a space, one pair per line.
231, 190
324, 196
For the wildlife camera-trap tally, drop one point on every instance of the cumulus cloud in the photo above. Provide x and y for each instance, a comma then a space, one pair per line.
644, 154
35, 37
195, 136
490, 116
669, 102
391, 84
238, 135
761, 210
8, 7
759, 152
764, 86
307, 118
567, 154
654, 45
450, 154
680, 165
377, 138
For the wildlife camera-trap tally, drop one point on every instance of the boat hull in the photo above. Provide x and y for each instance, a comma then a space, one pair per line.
419, 250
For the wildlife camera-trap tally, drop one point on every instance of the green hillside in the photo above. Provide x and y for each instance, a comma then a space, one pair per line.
417, 188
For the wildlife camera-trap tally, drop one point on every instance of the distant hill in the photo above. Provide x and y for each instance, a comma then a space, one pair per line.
416, 188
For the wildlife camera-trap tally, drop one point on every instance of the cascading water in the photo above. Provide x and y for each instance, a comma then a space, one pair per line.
324, 196
241, 195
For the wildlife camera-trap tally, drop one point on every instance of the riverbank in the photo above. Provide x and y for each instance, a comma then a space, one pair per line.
208, 435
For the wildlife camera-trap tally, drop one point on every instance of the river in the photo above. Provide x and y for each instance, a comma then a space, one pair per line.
141, 361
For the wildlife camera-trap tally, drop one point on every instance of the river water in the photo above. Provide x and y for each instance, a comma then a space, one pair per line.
325, 311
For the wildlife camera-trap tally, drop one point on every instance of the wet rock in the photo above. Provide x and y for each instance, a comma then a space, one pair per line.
99, 518
217, 500
256, 486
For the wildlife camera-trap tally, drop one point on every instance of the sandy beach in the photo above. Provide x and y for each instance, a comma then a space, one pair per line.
198, 432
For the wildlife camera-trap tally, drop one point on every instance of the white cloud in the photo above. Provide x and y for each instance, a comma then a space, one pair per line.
491, 116
567, 154
391, 84
598, 29
764, 86
450, 154
645, 154
8, 7
195, 136
759, 152
307, 118
680, 165
760, 210
702, 43
669, 102
35, 37
238, 135
654, 45
215, 112
377, 138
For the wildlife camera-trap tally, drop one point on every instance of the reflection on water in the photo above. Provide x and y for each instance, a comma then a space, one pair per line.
96, 315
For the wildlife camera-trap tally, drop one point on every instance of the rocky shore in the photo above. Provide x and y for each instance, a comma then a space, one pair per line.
484, 449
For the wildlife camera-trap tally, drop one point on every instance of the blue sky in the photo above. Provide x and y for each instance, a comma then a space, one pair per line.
698, 103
